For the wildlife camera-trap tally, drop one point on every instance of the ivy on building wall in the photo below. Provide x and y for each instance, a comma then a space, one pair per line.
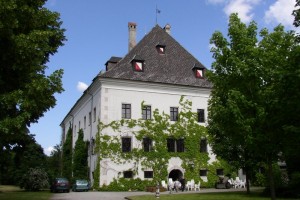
67, 155
80, 154
158, 129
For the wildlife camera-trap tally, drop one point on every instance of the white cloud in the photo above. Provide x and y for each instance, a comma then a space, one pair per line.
242, 7
281, 12
48, 150
81, 86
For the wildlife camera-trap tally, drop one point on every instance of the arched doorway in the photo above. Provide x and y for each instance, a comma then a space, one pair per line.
175, 174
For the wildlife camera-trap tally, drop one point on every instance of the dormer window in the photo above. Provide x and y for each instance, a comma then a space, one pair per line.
138, 65
198, 70
161, 49
199, 73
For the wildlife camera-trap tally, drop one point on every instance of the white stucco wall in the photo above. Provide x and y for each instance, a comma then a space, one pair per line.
108, 95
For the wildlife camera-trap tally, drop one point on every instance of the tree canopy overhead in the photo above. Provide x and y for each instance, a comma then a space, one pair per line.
29, 35
248, 107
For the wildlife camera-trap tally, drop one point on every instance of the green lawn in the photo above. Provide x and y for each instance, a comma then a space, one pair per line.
206, 196
15, 193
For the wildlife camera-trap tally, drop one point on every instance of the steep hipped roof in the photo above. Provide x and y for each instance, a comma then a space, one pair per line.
175, 66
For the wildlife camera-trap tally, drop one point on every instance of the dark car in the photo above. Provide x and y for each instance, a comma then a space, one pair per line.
60, 184
81, 185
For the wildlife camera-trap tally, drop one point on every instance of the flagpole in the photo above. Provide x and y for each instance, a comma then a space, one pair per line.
156, 15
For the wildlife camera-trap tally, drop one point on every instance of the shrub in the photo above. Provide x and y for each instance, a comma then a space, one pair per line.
34, 180
124, 184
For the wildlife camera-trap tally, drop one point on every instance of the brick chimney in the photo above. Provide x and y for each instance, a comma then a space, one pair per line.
132, 35
168, 28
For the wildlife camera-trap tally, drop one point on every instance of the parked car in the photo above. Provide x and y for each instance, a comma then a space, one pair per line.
81, 185
60, 184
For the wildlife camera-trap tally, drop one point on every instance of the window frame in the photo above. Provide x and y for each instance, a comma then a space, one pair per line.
126, 111
201, 115
128, 174
174, 113
203, 145
95, 114
148, 174
134, 64
158, 48
125, 147
175, 145
146, 112
201, 172
147, 144
90, 118
220, 172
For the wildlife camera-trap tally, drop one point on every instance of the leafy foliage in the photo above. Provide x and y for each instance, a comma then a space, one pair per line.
67, 155
123, 184
35, 179
158, 130
55, 162
29, 34
80, 155
296, 14
246, 110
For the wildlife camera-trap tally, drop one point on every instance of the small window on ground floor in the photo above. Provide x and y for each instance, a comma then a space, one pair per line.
203, 172
220, 172
148, 174
128, 174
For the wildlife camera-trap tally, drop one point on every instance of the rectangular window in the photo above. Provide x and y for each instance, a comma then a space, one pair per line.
220, 172
174, 145
128, 174
201, 116
148, 174
146, 112
203, 172
84, 122
203, 146
94, 114
126, 144
79, 125
173, 114
75, 131
90, 118
171, 144
147, 144
180, 145
126, 111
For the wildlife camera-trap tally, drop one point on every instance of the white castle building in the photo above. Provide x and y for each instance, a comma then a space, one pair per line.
158, 71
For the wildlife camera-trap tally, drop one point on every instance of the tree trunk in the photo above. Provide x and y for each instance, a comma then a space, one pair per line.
271, 180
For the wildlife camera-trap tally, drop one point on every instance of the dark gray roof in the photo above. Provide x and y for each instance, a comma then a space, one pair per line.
174, 67
113, 59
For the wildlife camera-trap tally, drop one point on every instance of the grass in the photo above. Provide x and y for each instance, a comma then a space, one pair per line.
8, 192
206, 196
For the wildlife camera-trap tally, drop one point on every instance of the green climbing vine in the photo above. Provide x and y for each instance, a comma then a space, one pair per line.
158, 129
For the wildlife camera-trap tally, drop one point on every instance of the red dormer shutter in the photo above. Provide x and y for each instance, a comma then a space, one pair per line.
199, 73
138, 66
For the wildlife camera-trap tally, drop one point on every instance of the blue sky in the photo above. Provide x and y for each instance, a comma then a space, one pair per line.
97, 30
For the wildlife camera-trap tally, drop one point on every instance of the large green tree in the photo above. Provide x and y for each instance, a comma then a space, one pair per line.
296, 13
29, 35
245, 106
55, 162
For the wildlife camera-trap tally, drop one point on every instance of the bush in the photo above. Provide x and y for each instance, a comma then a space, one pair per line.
124, 184
34, 180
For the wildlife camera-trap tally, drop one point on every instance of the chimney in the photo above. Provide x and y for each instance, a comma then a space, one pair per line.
132, 35
168, 29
